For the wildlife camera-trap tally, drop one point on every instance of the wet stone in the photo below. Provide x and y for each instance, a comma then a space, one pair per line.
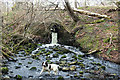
6, 77
55, 55
73, 63
33, 68
17, 67
4, 70
27, 66
73, 68
65, 69
11, 71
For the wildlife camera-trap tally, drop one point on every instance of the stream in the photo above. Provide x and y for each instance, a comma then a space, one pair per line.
73, 65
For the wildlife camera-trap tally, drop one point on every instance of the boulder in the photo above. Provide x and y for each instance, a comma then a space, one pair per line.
73, 68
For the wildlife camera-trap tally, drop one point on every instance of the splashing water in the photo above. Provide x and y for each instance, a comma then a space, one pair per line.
54, 38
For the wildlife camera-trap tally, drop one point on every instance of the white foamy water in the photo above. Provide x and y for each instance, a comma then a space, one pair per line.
54, 38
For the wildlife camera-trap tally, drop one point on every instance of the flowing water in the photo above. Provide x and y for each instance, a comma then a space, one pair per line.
74, 65
54, 38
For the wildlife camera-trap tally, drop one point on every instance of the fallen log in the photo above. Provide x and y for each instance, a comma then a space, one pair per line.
91, 52
91, 13
9, 58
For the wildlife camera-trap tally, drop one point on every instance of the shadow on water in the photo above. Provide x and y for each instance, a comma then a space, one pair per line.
70, 59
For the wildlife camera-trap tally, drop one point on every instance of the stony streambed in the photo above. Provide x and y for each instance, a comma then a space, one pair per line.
72, 62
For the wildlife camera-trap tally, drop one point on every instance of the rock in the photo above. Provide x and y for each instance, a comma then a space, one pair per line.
11, 71
43, 50
103, 67
60, 78
33, 68
4, 70
56, 49
80, 55
6, 77
55, 55
75, 75
73, 63
49, 61
65, 69
63, 62
65, 50
39, 53
29, 62
74, 56
81, 72
73, 68
27, 66
37, 58
64, 56
48, 58
18, 77
48, 53
39, 44
82, 65
17, 67
94, 63
79, 58
98, 64
20, 63
60, 52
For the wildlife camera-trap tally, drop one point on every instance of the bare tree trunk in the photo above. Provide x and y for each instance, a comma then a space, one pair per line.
91, 13
70, 11
118, 5
75, 3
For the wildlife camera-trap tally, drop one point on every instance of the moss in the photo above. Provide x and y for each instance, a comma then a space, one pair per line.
16, 67
103, 67
81, 72
55, 49
49, 61
37, 58
60, 52
80, 55
79, 58
47, 57
65, 50
98, 64
48, 53
55, 55
64, 56
79, 62
29, 62
40, 52
51, 51
60, 78
74, 56
19, 77
26, 51
94, 63
39, 44
33, 68
4, 70
43, 50
106, 40
75, 75
20, 63
73, 63
82, 65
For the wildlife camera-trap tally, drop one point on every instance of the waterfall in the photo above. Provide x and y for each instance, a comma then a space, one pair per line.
54, 38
